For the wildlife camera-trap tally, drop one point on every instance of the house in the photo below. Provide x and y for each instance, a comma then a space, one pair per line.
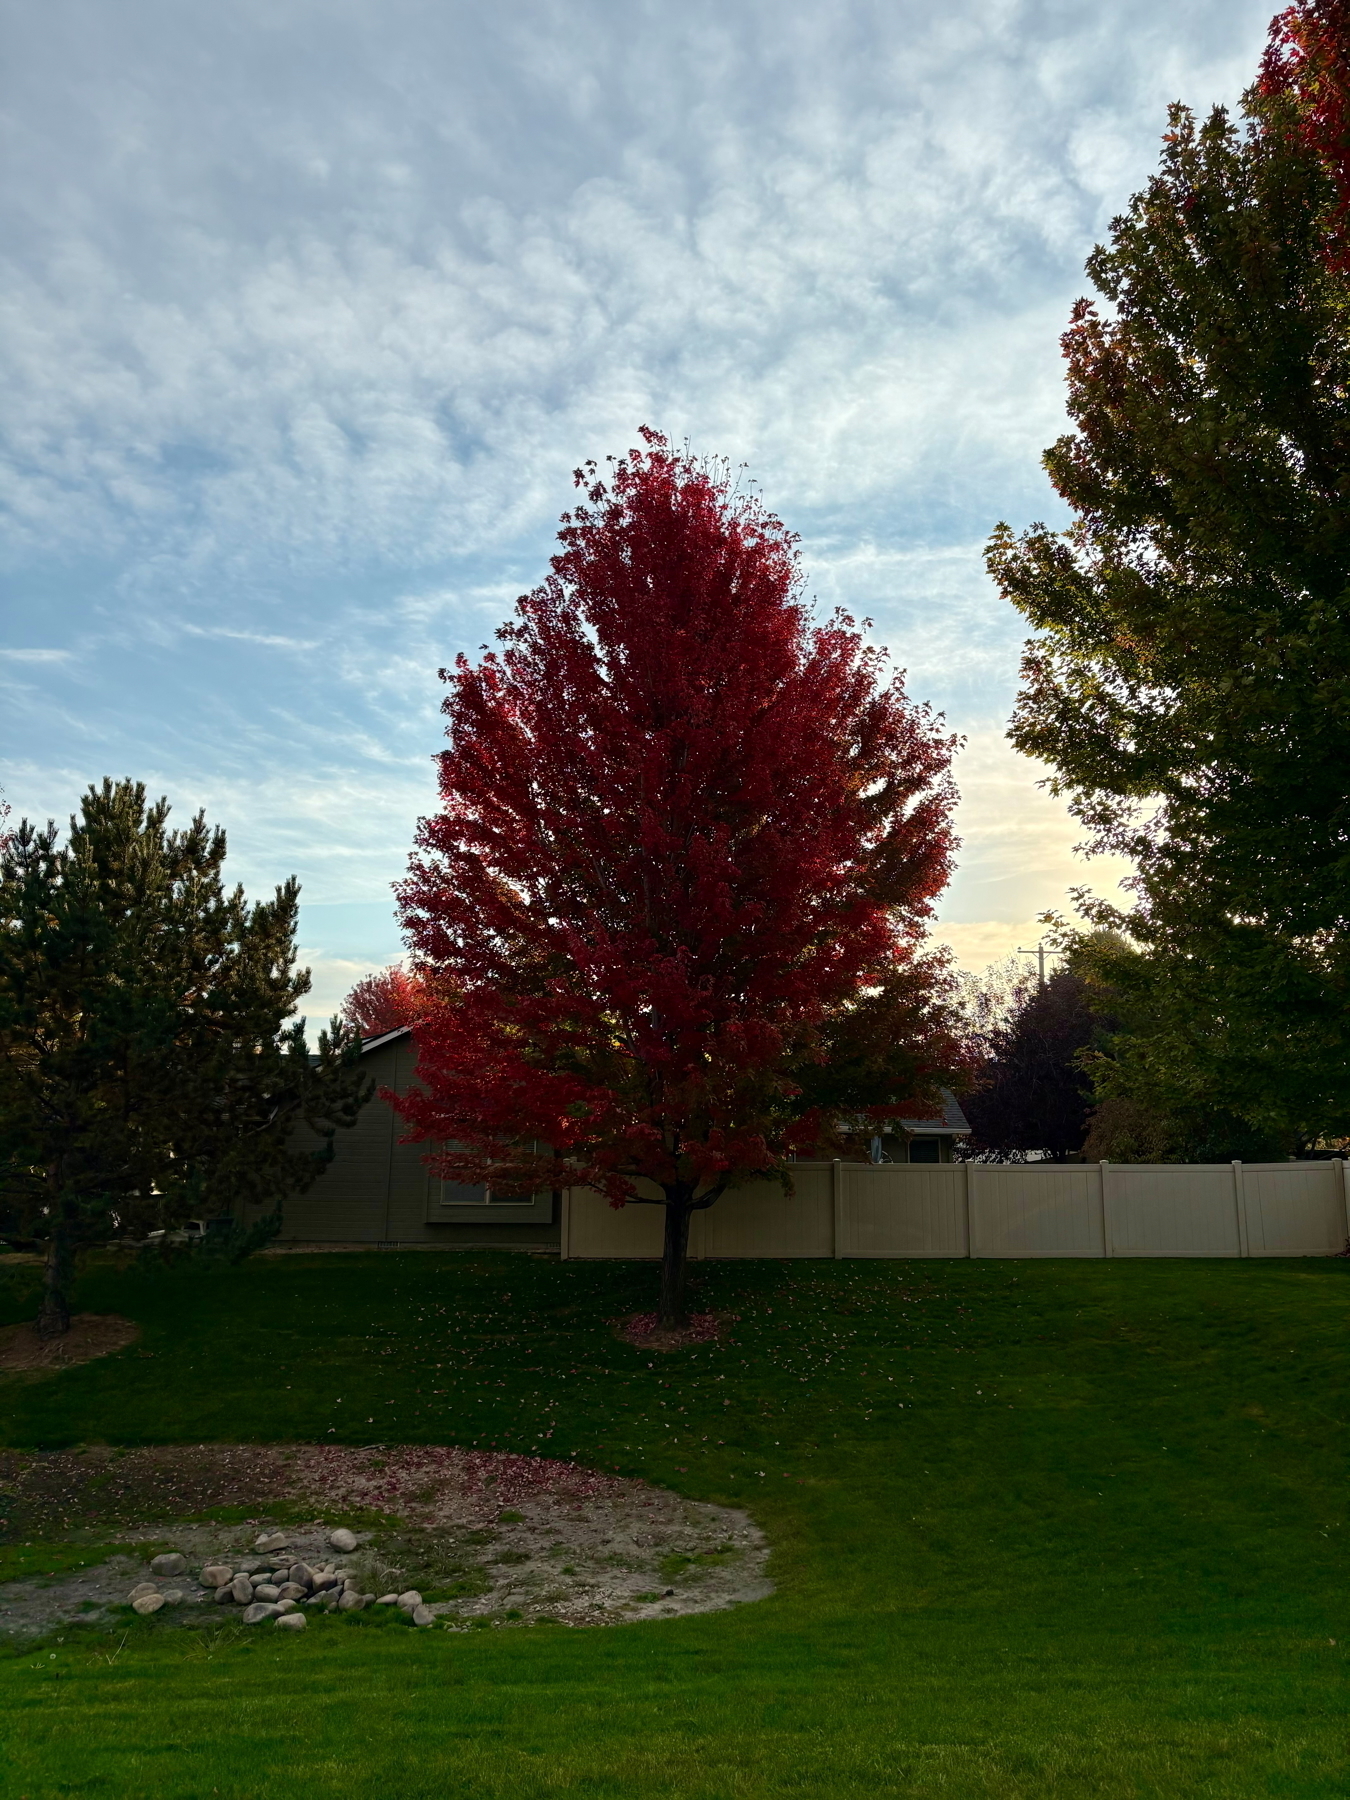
923, 1140
378, 1190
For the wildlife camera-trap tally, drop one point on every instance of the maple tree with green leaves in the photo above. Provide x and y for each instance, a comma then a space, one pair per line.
1189, 680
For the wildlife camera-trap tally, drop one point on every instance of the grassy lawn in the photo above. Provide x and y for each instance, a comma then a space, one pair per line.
1040, 1529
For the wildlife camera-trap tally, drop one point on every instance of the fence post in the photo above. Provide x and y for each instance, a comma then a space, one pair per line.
970, 1182
1240, 1206
837, 1206
1345, 1194
565, 1224
1108, 1242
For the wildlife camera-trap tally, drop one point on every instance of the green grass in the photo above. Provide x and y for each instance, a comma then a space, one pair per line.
1040, 1529
25, 1562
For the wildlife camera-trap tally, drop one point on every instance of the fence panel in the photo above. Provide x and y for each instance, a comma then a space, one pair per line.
1173, 1209
982, 1209
903, 1210
592, 1227
1035, 1210
761, 1220
1294, 1209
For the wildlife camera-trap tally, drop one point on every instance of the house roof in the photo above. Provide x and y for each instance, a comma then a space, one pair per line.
953, 1122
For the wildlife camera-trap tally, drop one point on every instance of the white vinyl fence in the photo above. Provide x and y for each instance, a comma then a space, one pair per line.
998, 1210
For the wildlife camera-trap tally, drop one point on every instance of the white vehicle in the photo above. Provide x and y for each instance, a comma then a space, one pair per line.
191, 1231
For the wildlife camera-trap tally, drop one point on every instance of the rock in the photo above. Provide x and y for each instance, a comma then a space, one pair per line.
242, 1589
224, 1594
342, 1540
173, 1597
302, 1573
409, 1600
387, 1600
217, 1575
260, 1610
423, 1615
295, 1621
323, 1582
266, 1591
285, 1606
142, 1587
171, 1563
147, 1603
291, 1590
273, 1540
351, 1601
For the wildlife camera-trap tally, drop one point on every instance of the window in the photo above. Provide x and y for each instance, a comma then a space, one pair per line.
463, 1193
925, 1150
459, 1193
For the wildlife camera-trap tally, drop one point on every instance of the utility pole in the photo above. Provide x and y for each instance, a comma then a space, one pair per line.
1040, 954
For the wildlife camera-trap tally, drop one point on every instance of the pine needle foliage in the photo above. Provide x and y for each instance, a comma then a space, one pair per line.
151, 1069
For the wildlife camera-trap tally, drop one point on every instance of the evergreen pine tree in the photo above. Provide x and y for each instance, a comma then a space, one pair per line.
150, 1065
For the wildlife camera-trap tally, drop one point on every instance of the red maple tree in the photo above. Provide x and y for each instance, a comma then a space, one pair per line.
383, 1001
685, 836
1307, 60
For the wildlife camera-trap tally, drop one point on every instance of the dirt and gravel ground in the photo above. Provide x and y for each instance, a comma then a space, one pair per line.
91, 1335
484, 1537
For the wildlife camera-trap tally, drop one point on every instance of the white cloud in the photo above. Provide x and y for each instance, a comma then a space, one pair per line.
310, 309
980, 942
332, 978
850, 269
1019, 853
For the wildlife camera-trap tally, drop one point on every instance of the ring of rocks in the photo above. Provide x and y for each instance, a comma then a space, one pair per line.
433, 1534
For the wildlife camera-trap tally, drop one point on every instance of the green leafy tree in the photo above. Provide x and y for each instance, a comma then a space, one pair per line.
1190, 678
1161, 1074
148, 1071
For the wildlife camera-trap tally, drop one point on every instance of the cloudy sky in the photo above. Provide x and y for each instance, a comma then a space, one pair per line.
311, 306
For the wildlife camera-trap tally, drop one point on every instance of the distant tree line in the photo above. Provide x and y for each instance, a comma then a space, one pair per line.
1045, 1063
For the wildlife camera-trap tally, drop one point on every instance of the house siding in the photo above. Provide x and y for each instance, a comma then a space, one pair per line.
378, 1190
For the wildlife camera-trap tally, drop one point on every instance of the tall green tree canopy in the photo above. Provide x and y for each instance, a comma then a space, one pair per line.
1189, 681
150, 1066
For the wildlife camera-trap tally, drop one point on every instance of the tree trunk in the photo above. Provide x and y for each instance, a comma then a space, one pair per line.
53, 1318
674, 1260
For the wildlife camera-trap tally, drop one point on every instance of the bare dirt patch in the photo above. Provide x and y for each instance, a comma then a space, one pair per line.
486, 1539
91, 1335
644, 1330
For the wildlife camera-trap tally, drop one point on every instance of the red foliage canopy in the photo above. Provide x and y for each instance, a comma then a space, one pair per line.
1308, 59
681, 829
383, 1002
